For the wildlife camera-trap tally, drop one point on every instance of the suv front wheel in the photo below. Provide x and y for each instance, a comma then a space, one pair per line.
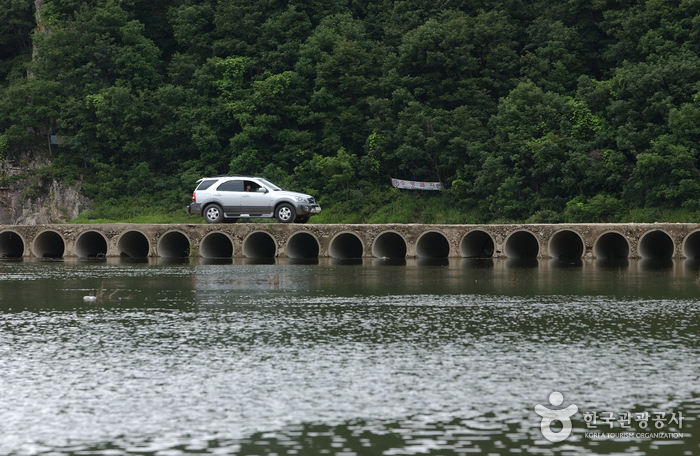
213, 214
285, 213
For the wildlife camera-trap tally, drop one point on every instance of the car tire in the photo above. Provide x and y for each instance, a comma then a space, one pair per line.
285, 213
213, 214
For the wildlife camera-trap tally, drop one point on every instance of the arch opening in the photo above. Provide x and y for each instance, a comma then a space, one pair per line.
302, 245
11, 245
216, 245
477, 244
259, 245
691, 246
433, 245
133, 244
522, 244
346, 246
656, 245
49, 244
91, 244
389, 245
174, 245
612, 246
566, 245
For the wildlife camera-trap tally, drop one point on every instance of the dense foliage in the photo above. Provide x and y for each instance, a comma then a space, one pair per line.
526, 110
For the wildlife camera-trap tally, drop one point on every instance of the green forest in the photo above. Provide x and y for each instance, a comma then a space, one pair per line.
525, 110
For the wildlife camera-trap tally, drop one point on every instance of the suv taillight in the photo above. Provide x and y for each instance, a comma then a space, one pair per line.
194, 197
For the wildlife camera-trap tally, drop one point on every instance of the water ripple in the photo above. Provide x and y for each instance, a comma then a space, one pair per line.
224, 366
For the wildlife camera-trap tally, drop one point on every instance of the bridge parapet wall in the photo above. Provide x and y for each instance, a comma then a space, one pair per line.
391, 241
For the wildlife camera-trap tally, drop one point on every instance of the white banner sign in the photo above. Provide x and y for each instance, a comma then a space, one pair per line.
415, 185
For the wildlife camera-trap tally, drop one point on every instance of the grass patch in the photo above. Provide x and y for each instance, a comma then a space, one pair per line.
152, 218
651, 215
401, 207
134, 211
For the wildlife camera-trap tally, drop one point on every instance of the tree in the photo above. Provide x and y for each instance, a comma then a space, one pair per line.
29, 110
459, 60
534, 164
665, 176
552, 56
340, 64
642, 96
16, 24
99, 48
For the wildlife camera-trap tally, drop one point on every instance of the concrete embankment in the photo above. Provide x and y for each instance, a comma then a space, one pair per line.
391, 241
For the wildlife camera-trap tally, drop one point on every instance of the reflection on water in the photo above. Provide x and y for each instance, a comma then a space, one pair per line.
327, 357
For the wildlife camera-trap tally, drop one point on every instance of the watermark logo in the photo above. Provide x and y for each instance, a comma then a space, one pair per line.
549, 416
621, 425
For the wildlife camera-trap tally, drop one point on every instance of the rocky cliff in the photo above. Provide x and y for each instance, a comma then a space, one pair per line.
26, 199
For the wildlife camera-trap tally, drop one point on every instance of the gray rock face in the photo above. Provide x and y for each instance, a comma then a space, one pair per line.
27, 200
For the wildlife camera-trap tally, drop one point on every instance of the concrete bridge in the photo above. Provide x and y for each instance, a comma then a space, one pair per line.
392, 241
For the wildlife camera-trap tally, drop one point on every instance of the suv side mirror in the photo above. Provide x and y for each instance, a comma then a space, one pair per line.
261, 190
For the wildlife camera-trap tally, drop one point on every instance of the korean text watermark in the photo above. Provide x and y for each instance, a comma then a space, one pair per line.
557, 425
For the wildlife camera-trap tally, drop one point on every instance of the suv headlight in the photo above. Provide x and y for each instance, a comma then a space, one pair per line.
300, 199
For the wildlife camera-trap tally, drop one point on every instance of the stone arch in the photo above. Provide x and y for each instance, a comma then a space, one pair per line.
432, 245
522, 244
477, 244
390, 245
346, 245
216, 244
133, 244
49, 244
567, 244
656, 244
12, 244
174, 244
611, 245
691, 245
91, 244
302, 245
259, 245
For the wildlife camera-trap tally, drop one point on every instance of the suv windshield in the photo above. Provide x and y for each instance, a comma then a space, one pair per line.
269, 185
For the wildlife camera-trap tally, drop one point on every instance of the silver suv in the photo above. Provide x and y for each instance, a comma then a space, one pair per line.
228, 198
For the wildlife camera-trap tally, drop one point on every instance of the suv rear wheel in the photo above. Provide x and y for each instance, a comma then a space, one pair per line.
285, 213
213, 214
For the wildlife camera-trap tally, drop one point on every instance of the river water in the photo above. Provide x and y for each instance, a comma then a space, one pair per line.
349, 358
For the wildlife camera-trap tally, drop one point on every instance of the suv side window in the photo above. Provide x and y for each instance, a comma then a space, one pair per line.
205, 184
251, 186
231, 186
